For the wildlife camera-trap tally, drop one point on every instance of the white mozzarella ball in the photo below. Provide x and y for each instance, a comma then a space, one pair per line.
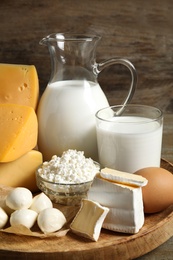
5, 207
50, 220
25, 217
3, 218
19, 198
40, 202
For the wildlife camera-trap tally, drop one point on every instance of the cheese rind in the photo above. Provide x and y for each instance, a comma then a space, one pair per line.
21, 172
19, 84
123, 177
18, 131
89, 219
124, 202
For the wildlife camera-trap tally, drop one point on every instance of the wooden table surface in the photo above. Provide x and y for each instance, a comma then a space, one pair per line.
138, 30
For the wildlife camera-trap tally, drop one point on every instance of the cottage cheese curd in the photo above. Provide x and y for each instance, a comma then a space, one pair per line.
71, 168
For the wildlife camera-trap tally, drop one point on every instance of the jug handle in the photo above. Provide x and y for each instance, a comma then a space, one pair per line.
102, 65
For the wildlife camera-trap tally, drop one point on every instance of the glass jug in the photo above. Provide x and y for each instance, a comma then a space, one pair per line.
66, 110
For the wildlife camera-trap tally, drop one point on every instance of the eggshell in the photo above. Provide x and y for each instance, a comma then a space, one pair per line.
158, 193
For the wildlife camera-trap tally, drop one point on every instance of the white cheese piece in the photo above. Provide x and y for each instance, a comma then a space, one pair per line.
125, 205
4, 206
25, 217
19, 198
123, 177
50, 220
71, 167
3, 218
89, 219
41, 202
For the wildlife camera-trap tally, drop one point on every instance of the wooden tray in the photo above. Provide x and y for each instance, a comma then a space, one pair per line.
157, 229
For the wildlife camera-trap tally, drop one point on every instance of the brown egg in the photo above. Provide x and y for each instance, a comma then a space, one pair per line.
158, 193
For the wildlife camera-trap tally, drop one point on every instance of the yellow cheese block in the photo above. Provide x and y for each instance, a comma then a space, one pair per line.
18, 131
19, 84
21, 172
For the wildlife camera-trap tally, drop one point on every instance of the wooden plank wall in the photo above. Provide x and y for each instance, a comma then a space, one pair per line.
141, 31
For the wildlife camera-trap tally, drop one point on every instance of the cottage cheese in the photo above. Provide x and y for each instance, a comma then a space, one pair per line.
71, 168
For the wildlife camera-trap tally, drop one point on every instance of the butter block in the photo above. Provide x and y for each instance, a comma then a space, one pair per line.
18, 131
89, 219
125, 204
19, 84
21, 172
123, 177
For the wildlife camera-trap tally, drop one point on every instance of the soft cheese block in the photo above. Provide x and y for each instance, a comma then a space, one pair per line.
19, 84
18, 131
21, 172
89, 219
125, 204
123, 177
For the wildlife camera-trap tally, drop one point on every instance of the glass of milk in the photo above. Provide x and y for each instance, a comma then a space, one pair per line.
129, 137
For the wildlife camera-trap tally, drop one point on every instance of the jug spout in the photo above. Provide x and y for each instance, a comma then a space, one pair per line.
67, 37
43, 41
72, 56
71, 37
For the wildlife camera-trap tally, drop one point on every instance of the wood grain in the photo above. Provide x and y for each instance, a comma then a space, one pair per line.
138, 30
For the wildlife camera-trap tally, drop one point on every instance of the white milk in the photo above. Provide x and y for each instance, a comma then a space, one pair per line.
129, 146
66, 116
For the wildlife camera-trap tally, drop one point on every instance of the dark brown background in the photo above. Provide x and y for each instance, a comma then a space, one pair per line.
141, 31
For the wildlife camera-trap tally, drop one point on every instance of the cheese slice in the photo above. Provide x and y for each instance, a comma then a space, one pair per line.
123, 177
89, 219
125, 204
21, 172
19, 84
18, 131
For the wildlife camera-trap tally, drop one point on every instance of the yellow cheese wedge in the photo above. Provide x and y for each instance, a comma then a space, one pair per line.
18, 131
21, 172
19, 84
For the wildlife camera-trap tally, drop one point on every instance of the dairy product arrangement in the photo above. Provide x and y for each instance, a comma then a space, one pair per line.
114, 199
